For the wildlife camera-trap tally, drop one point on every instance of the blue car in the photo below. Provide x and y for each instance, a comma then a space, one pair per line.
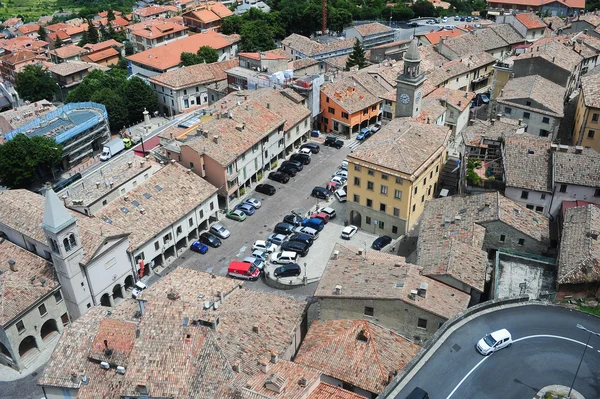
364, 134
246, 208
197, 246
313, 223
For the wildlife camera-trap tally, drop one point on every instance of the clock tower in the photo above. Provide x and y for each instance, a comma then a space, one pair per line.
409, 84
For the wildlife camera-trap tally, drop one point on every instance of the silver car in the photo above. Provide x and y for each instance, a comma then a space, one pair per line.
254, 202
258, 262
220, 231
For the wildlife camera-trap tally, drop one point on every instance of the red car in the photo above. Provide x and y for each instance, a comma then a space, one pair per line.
320, 215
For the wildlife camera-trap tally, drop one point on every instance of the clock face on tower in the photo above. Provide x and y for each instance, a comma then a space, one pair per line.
404, 98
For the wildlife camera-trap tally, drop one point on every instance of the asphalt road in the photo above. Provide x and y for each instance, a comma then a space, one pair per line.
295, 195
546, 351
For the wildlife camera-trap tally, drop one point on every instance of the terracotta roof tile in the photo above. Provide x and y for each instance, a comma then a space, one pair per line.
102, 55
103, 45
153, 10
544, 92
286, 375
577, 169
459, 99
68, 51
553, 50
326, 391
475, 134
530, 20
29, 28
373, 28
311, 48
590, 88
153, 29
194, 75
528, 163
339, 350
71, 67
435, 37
348, 96
555, 22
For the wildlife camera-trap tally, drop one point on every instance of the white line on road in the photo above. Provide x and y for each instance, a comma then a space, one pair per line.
516, 340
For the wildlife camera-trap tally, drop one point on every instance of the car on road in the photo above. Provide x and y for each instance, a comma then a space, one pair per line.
457, 18
431, 22
197, 246
301, 248
243, 270
277, 239
364, 134
314, 223
265, 189
305, 238
381, 242
289, 270
220, 231
284, 228
418, 393
314, 148
329, 212
246, 208
469, 19
493, 342
266, 246
295, 164
320, 192
341, 173
138, 288
334, 142
309, 231
210, 240
236, 214
288, 170
413, 25
305, 151
253, 202
284, 257
293, 219
305, 159
462, 18
340, 195
320, 215
349, 231
444, 19
448, 27
376, 127
344, 165
259, 263
279, 177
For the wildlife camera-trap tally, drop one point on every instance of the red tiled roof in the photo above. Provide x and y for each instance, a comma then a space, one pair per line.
534, 3
531, 21
102, 55
435, 37
267, 55
326, 391
26, 29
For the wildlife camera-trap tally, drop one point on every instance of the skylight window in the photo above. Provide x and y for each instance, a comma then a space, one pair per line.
158, 188
125, 210
148, 196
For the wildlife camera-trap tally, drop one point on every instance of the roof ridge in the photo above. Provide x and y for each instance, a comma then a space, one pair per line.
374, 348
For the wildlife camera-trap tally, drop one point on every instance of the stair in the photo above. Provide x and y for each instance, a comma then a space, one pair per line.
448, 178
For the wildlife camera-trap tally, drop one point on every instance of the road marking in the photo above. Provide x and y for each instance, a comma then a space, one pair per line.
353, 144
516, 340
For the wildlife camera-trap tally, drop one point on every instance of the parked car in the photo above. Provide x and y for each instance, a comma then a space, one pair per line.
320, 215
340, 180
340, 195
289, 270
334, 142
279, 177
138, 288
293, 219
236, 214
344, 165
298, 165
284, 228
288, 170
342, 173
381, 242
314, 223
448, 27
243, 270
277, 239
431, 22
314, 148
418, 393
444, 19
329, 212
259, 263
305, 159
210, 240
265, 189
320, 192
246, 208
462, 18
253, 202
469, 19
309, 231
332, 186
482, 98
298, 247
494, 342
305, 151
258, 253
220, 231
283, 258
305, 238
376, 127
349, 231
267, 246
197, 246
364, 134
413, 25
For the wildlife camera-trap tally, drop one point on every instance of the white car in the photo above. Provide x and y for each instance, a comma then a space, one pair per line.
254, 202
329, 211
277, 239
220, 231
494, 342
138, 288
342, 173
259, 263
339, 180
306, 151
266, 246
344, 165
340, 195
349, 231
309, 231
376, 127
444, 19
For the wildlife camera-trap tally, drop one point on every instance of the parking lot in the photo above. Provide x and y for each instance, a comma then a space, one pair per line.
294, 195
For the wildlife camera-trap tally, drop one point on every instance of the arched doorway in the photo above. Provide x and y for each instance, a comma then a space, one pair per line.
104, 301
4, 350
117, 291
28, 344
129, 282
356, 218
48, 328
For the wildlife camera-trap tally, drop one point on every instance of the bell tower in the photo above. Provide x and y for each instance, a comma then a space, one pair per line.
64, 240
409, 84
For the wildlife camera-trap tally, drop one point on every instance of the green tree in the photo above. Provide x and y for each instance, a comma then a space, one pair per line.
24, 159
207, 54
116, 107
110, 16
93, 35
423, 8
357, 57
58, 42
188, 58
128, 48
257, 36
41, 33
33, 83
139, 96
232, 24
402, 12
338, 19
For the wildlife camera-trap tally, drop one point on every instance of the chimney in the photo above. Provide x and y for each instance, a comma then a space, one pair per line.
268, 105
205, 133
236, 367
520, 122
486, 206
126, 198
221, 296
216, 139
97, 184
498, 116
111, 183
471, 121
172, 161
459, 103
336, 254
264, 366
360, 251
255, 328
303, 382
274, 357
563, 148
130, 164
13, 265
585, 31
413, 294
492, 121
142, 164
422, 291
338, 290
74, 378
446, 222
578, 149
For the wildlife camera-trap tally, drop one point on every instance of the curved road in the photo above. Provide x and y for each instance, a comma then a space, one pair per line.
546, 351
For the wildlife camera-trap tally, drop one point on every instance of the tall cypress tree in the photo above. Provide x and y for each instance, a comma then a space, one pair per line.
357, 57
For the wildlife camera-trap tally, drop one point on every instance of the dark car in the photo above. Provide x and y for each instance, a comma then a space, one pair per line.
334, 142
314, 148
413, 24
293, 219
295, 164
284, 228
381, 242
289, 270
197, 246
320, 192
210, 240
265, 189
304, 158
279, 177
288, 170
301, 248
305, 238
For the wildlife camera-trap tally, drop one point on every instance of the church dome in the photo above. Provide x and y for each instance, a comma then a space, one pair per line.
413, 53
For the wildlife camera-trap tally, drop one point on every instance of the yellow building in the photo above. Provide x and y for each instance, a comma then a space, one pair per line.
393, 174
586, 131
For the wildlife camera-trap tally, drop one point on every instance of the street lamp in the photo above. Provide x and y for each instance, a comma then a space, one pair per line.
581, 360
61, 95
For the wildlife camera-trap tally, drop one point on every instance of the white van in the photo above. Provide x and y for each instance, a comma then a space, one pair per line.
493, 342
138, 287
283, 258
341, 195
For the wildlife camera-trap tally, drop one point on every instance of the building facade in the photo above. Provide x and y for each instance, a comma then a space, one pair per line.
586, 131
